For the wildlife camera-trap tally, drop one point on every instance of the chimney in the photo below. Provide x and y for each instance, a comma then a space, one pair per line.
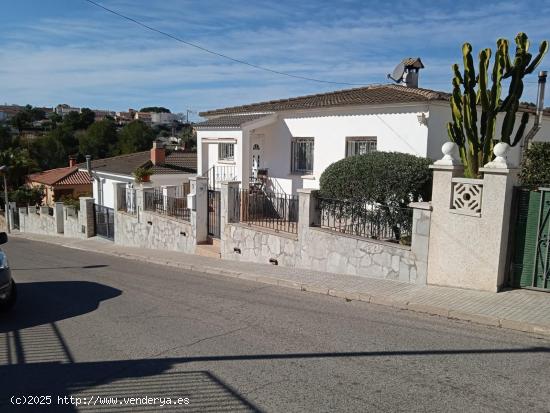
158, 154
406, 72
72, 161
89, 164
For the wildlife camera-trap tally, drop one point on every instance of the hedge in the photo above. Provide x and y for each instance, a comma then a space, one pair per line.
535, 167
388, 178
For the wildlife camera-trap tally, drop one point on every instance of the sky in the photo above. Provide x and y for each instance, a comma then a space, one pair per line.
69, 51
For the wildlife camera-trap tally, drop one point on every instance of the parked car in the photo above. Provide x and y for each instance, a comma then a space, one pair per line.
8, 291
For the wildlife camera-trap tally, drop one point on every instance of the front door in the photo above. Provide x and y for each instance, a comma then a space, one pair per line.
257, 154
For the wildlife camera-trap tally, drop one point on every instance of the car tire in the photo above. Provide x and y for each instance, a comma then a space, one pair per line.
9, 301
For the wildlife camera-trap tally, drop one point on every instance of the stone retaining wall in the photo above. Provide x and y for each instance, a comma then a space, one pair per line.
37, 221
150, 230
324, 250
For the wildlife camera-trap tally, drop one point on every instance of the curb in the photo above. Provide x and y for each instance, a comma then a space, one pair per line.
387, 301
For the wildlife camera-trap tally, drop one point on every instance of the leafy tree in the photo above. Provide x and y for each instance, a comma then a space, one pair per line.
99, 139
155, 109
134, 137
87, 118
188, 136
27, 195
6, 138
386, 178
49, 151
19, 163
535, 166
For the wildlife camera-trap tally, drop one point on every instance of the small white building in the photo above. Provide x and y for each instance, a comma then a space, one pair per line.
294, 140
168, 167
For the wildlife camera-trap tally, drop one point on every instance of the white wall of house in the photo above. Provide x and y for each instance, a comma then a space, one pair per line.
396, 127
207, 150
103, 186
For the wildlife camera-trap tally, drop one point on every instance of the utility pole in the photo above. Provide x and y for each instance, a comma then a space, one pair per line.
4, 171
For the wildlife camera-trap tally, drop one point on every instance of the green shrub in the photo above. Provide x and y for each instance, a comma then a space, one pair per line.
71, 201
535, 167
26, 195
142, 174
386, 178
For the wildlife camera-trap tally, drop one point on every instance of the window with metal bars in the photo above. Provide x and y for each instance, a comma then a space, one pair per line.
360, 145
302, 155
226, 151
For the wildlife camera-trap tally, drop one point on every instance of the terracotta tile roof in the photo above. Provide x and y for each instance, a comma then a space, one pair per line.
61, 176
369, 95
175, 163
76, 178
229, 121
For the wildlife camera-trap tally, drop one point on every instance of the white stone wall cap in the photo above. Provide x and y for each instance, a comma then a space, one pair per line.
306, 190
421, 205
498, 170
446, 166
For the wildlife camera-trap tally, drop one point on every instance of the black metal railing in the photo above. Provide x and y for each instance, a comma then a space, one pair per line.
278, 212
127, 200
214, 213
172, 206
363, 219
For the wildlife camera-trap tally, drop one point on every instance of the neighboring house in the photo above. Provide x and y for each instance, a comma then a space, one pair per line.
169, 168
292, 141
123, 118
145, 117
163, 118
64, 109
62, 182
100, 114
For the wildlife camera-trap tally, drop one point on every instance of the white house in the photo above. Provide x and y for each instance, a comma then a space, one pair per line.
293, 140
168, 167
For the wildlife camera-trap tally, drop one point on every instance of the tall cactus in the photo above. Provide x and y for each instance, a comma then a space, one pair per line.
476, 143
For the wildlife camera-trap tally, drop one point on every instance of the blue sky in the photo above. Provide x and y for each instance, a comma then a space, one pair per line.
67, 51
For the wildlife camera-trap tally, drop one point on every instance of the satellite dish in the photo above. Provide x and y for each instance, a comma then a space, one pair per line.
397, 74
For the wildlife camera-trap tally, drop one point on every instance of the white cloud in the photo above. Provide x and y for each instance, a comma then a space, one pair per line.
95, 59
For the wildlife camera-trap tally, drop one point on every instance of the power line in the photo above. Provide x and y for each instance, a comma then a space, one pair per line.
212, 52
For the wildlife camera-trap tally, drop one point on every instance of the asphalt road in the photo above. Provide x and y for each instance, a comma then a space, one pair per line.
96, 326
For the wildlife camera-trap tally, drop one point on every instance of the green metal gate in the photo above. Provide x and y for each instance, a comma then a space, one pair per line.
530, 267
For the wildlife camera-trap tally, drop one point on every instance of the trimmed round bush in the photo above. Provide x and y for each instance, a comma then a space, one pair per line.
387, 178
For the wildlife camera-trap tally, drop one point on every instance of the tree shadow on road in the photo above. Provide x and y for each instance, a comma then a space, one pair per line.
41, 303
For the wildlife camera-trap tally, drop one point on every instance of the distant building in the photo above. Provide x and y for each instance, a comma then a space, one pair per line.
145, 117
102, 114
123, 118
164, 118
64, 109
62, 182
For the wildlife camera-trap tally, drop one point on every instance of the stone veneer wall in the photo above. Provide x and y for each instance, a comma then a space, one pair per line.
37, 223
72, 223
150, 230
325, 250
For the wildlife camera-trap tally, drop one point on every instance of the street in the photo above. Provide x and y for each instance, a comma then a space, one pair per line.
95, 327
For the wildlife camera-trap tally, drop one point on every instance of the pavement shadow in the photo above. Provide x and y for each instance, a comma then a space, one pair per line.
107, 386
41, 303
83, 267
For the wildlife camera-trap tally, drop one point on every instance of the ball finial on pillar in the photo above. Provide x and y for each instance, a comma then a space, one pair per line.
450, 154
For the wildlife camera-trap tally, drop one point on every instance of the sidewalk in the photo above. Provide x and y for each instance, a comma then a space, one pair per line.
522, 310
